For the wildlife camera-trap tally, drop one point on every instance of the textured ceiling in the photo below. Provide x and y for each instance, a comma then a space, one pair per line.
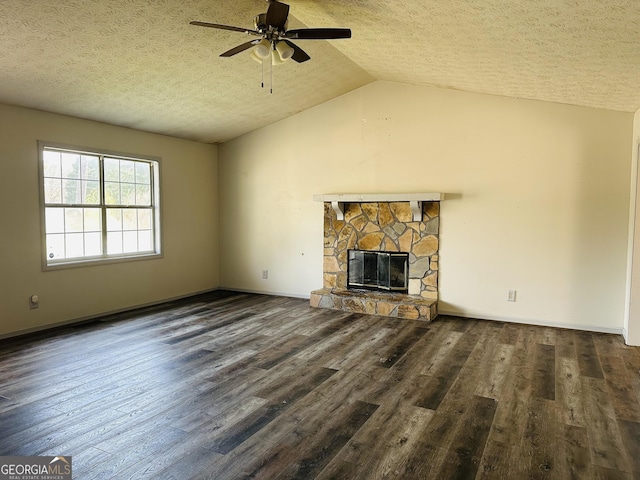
138, 63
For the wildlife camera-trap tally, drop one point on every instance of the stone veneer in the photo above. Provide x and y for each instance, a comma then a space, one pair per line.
381, 226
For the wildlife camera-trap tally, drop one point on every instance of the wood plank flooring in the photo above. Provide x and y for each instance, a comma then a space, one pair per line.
232, 386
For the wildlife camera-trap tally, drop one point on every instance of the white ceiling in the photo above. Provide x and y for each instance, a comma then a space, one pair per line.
138, 63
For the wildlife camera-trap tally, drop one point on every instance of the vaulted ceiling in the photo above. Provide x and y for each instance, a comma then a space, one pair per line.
138, 63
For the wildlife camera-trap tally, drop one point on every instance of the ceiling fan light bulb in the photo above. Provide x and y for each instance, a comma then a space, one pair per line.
263, 48
284, 50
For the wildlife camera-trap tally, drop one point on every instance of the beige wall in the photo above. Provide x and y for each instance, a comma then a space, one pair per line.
189, 214
537, 197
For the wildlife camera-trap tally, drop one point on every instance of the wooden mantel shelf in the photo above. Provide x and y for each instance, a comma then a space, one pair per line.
415, 200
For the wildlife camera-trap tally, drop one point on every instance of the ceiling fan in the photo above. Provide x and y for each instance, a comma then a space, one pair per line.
273, 37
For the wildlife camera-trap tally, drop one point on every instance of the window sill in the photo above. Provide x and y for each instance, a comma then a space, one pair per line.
64, 264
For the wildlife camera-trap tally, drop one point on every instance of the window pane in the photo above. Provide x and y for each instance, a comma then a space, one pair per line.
55, 247
143, 195
129, 219
52, 190
143, 173
51, 162
91, 192
74, 245
114, 220
54, 220
144, 240
73, 220
127, 171
144, 219
90, 167
92, 222
129, 242
111, 170
70, 165
114, 243
112, 193
71, 192
92, 244
128, 192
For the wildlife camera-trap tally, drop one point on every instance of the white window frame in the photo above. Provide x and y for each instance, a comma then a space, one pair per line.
104, 257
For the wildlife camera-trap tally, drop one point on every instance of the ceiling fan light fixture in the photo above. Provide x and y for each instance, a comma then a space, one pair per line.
263, 48
284, 50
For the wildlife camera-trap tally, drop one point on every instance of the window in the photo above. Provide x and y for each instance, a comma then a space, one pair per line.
97, 206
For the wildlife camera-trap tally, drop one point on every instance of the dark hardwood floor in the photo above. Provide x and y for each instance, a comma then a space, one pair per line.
230, 386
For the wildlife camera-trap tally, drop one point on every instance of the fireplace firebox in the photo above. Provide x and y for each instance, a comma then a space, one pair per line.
385, 271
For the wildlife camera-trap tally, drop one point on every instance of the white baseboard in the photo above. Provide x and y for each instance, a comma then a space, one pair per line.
262, 292
95, 316
539, 323
479, 316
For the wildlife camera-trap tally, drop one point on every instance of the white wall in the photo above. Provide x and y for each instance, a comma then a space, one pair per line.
632, 304
189, 215
537, 197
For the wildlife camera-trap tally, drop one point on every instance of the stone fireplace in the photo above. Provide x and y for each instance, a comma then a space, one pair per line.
381, 223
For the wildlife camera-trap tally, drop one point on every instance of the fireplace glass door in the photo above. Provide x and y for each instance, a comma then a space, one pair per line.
387, 271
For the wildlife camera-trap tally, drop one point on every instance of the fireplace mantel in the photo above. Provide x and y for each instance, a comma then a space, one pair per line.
415, 200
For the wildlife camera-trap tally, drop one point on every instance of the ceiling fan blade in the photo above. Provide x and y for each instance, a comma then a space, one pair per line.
239, 48
318, 33
224, 27
299, 55
277, 14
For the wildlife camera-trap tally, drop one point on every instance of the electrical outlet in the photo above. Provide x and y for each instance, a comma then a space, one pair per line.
34, 301
512, 296
265, 274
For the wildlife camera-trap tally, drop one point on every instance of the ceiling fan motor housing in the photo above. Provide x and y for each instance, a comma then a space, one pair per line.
260, 22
